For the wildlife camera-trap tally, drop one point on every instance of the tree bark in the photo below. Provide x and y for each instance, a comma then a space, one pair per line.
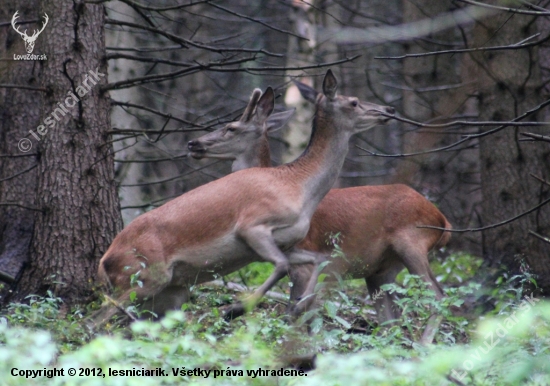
20, 112
75, 189
509, 85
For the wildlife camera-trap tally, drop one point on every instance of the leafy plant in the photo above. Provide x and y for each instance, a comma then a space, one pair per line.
43, 334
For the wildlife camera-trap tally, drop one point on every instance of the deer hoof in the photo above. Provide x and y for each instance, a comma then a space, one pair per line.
234, 312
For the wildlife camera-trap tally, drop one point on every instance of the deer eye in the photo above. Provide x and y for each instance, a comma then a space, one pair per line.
231, 129
354, 103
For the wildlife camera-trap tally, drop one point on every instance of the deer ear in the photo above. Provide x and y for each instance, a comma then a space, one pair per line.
265, 105
251, 105
278, 120
307, 92
330, 85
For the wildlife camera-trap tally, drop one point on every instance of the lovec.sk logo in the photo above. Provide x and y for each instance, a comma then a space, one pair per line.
29, 40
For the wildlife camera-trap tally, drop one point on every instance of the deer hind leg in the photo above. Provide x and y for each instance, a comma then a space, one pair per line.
152, 283
415, 258
114, 307
384, 302
170, 298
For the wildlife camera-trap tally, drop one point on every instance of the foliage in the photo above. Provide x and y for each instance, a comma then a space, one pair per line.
457, 268
511, 347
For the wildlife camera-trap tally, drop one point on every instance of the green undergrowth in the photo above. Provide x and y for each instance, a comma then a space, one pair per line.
507, 344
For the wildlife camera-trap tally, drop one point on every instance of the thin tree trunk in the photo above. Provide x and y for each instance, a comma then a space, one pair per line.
76, 190
299, 52
448, 178
509, 85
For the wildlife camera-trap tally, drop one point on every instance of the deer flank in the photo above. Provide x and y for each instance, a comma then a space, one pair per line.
257, 214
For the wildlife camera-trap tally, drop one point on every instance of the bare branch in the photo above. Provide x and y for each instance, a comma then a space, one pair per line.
310, 67
159, 113
187, 43
8, 23
161, 9
540, 179
515, 46
489, 226
172, 75
145, 49
507, 9
146, 132
17, 155
151, 160
23, 87
466, 123
19, 205
400, 155
467, 137
147, 60
251, 70
540, 237
18, 174
172, 178
256, 21
537, 137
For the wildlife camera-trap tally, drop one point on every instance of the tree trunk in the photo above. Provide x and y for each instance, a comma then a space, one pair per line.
434, 92
299, 52
75, 188
20, 112
508, 84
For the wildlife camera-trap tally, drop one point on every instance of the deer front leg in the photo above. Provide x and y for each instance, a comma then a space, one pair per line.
260, 239
307, 296
299, 277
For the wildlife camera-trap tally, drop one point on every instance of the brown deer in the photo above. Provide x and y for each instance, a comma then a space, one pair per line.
257, 214
377, 224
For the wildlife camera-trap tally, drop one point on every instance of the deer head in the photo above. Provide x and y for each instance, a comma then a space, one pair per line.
242, 141
29, 40
347, 111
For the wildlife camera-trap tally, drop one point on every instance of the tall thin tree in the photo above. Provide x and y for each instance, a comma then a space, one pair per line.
508, 84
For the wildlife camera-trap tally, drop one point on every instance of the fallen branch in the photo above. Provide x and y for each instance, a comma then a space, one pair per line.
241, 288
122, 309
7, 278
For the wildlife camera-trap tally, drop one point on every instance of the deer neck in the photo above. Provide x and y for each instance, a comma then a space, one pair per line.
317, 169
257, 156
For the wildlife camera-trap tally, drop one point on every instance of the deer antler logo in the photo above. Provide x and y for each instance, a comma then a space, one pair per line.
29, 40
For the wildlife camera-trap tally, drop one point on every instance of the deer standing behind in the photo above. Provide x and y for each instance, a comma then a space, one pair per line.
257, 214
377, 224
